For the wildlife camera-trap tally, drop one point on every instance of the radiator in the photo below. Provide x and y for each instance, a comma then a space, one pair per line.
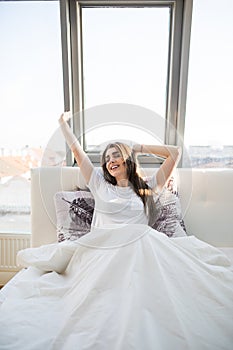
10, 244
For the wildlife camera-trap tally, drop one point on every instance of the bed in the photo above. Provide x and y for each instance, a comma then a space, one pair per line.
207, 207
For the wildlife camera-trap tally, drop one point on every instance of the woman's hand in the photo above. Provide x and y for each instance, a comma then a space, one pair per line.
65, 117
171, 155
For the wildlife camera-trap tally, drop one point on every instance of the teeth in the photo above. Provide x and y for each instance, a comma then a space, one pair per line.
114, 167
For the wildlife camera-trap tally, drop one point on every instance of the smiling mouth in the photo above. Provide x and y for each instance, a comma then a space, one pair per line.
114, 167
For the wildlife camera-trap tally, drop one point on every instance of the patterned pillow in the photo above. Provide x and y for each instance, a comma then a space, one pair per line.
168, 214
74, 211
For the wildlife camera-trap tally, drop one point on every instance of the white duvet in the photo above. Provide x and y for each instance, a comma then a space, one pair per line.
120, 288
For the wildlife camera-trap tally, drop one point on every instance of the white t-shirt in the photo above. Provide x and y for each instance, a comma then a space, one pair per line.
115, 204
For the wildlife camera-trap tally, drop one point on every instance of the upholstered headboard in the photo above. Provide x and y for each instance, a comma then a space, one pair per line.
206, 201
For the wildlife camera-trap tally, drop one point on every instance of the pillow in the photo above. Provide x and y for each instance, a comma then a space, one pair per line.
74, 211
168, 215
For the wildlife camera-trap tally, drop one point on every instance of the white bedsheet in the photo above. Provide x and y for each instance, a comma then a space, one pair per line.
126, 287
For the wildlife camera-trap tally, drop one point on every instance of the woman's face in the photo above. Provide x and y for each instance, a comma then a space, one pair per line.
115, 163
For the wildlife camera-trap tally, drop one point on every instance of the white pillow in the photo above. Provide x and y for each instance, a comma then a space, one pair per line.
74, 211
168, 214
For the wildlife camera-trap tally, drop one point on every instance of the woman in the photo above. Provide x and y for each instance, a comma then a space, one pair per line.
120, 169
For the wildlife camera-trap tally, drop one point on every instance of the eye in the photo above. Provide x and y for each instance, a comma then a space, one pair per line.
116, 155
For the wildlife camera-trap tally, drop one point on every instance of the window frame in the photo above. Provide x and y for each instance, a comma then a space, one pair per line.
179, 45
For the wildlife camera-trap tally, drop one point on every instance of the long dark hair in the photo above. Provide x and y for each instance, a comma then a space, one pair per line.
136, 182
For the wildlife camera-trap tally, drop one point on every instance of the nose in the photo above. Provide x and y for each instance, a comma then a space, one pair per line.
112, 159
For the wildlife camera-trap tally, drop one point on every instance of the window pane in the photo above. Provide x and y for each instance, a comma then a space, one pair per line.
31, 100
125, 55
209, 113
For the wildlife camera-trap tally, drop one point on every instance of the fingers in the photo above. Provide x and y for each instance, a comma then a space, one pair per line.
65, 116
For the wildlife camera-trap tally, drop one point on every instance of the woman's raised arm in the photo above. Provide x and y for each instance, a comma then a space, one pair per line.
172, 155
82, 159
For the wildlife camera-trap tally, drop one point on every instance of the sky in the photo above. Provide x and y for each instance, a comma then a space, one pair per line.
31, 96
209, 112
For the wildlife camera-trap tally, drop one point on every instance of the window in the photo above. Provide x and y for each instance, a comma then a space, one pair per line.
31, 99
118, 55
209, 113
125, 56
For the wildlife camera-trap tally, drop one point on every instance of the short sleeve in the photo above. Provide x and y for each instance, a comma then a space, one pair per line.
96, 180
